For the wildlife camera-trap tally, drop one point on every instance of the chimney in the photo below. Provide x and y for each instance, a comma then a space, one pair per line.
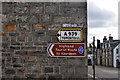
98, 44
110, 37
104, 39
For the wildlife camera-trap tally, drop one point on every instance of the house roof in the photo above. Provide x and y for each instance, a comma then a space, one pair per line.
113, 43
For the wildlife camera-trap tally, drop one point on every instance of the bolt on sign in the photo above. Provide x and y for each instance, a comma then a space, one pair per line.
70, 35
66, 50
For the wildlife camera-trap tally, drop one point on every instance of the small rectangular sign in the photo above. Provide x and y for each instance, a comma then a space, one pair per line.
70, 35
72, 25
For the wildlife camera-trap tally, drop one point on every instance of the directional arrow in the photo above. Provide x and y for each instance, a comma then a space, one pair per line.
58, 35
50, 49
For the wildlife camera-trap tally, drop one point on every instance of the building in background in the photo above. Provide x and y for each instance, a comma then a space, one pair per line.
108, 52
119, 32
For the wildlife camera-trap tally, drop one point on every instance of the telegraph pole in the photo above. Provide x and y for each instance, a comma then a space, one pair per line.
93, 57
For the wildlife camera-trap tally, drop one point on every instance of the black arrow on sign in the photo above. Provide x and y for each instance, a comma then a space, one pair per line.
58, 35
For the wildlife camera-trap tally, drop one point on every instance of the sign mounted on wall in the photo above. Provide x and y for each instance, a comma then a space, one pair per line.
70, 35
66, 50
72, 25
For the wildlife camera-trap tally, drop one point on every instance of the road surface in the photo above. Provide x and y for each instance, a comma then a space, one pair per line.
104, 72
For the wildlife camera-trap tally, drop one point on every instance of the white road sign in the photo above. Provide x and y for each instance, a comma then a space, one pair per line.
72, 25
70, 35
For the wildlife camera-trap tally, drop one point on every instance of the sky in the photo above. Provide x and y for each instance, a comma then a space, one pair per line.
102, 19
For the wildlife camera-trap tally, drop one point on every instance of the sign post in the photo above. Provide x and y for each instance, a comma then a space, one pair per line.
93, 57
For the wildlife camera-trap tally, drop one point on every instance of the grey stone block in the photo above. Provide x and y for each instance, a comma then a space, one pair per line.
64, 70
22, 18
36, 9
5, 45
43, 39
51, 9
21, 52
10, 71
48, 70
51, 36
68, 10
28, 44
4, 54
39, 33
21, 8
54, 27
15, 47
51, 39
13, 34
35, 39
6, 9
24, 27
12, 18
51, 33
77, 4
21, 38
18, 77
16, 43
5, 39
30, 76
34, 19
44, 52
46, 19
78, 18
55, 77
20, 71
45, 48
13, 41
29, 39
43, 62
81, 11
17, 65
28, 48
57, 70
34, 53
40, 43
28, 59
59, 19
15, 60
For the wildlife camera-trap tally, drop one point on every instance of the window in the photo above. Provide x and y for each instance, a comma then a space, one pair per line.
107, 50
117, 51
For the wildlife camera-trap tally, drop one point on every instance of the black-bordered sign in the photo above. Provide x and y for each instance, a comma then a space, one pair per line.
70, 35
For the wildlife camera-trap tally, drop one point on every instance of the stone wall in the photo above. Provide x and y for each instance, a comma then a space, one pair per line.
28, 28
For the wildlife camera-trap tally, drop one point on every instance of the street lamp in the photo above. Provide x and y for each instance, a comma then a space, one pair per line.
93, 58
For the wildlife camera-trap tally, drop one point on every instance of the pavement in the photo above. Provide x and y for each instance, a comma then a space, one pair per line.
103, 73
